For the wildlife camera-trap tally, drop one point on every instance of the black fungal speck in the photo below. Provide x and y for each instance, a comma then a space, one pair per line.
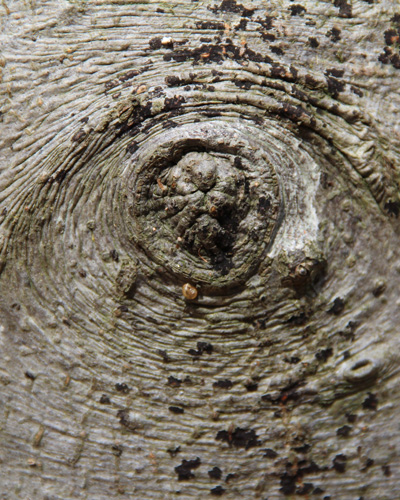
114, 255
369, 462
339, 463
117, 450
334, 34
173, 381
393, 208
122, 388
223, 384
351, 418
276, 50
324, 354
335, 86
379, 289
217, 491
251, 386
345, 9
337, 306
202, 347
305, 448
370, 402
229, 477
343, 431
269, 453
297, 10
240, 438
104, 399
176, 409
155, 43
184, 470
233, 6
172, 80
174, 451
215, 473
314, 43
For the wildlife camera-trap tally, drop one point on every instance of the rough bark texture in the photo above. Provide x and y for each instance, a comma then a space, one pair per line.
250, 151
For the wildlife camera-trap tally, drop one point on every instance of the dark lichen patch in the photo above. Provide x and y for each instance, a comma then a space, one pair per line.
209, 53
269, 453
277, 50
223, 384
172, 103
393, 208
230, 477
242, 26
268, 37
324, 354
251, 386
379, 289
345, 9
155, 43
334, 34
233, 6
117, 450
239, 438
357, 91
297, 10
210, 25
337, 73
202, 347
368, 462
122, 387
351, 418
173, 81
215, 473
314, 43
388, 57
337, 306
164, 355
104, 399
243, 84
294, 474
298, 319
184, 470
178, 410
391, 36
339, 463
174, 451
335, 86
173, 381
304, 448
370, 402
132, 147
125, 421
386, 470
217, 491
129, 75
139, 113
343, 431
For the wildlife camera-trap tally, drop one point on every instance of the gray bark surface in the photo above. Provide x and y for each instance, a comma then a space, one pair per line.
247, 152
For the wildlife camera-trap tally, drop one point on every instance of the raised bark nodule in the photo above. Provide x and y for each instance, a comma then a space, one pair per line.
199, 249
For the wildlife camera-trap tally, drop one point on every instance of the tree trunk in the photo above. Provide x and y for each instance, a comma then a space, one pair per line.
199, 248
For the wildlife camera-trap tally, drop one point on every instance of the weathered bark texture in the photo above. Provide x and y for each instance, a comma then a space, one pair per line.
249, 151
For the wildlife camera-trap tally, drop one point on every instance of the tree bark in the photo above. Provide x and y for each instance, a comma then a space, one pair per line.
199, 249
